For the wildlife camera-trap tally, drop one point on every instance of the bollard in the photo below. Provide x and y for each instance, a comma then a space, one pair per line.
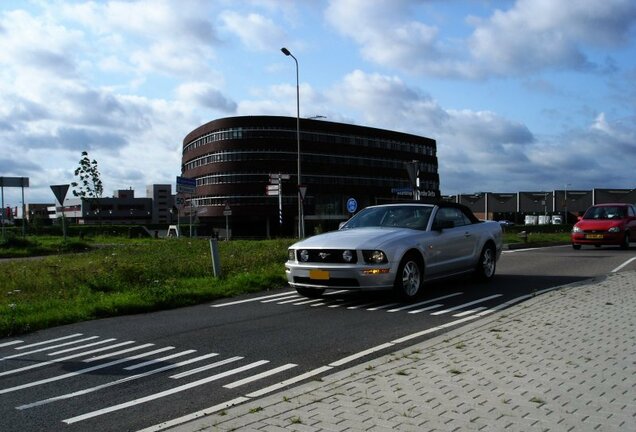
524, 236
216, 261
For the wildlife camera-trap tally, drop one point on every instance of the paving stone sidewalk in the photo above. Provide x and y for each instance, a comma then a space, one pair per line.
562, 361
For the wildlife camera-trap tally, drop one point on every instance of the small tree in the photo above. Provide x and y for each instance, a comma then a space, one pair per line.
90, 183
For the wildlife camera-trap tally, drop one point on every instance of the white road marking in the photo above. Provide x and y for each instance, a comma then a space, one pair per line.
250, 300
159, 360
72, 374
195, 415
101, 342
468, 312
414, 305
289, 296
288, 382
50, 341
307, 302
48, 348
626, 263
110, 384
384, 306
61, 359
124, 351
435, 306
260, 376
466, 304
294, 299
162, 394
361, 354
15, 342
207, 367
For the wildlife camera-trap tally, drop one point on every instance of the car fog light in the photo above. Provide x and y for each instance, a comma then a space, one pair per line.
304, 255
291, 255
374, 271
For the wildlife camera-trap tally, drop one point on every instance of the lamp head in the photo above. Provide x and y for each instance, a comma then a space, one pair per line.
285, 51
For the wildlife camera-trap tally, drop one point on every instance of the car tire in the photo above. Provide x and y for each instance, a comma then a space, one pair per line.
576, 247
409, 278
487, 264
310, 292
625, 243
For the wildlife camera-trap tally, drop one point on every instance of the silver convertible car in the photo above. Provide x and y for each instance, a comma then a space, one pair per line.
396, 246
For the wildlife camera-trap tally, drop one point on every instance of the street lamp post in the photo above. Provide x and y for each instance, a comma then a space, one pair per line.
301, 221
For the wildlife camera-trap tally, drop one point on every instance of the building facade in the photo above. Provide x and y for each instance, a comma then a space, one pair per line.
235, 159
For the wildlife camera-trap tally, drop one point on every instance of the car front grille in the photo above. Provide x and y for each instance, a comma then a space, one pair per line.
329, 256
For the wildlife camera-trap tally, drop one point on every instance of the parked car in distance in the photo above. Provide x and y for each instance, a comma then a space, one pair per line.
396, 246
557, 220
605, 224
505, 223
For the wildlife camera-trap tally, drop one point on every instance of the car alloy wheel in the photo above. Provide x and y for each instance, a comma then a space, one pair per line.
409, 278
487, 264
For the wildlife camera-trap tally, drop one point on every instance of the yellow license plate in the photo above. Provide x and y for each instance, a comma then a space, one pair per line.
594, 236
319, 274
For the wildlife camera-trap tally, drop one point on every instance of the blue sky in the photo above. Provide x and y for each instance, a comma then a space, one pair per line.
521, 95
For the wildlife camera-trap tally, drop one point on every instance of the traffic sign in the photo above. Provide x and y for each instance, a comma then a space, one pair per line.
186, 185
281, 176
60, 192
272, 188
352, 205
302, 190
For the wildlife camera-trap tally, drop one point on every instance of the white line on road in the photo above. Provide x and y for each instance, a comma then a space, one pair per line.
250, 299
260, 376
207, 367
15, 342
414, 305
101, 342
428, 308
626, 263
468, 312
48, 348
109, 384
160, 360
164, 393
466, 304
50, 341
78, 372
361, 354
61, 359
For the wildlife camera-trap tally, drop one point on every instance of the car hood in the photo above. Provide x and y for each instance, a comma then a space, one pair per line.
598, 224
355, 238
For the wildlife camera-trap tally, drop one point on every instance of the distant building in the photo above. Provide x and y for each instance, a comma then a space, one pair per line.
233, 160
122, 208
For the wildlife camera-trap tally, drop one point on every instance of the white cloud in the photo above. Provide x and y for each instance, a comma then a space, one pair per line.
255, 31
204, 95
530, 36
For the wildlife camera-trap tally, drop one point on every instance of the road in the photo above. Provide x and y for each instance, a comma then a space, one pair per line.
132, 372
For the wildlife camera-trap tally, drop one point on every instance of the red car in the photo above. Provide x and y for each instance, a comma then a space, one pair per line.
606, 224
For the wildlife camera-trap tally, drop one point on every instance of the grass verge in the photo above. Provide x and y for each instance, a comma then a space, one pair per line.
132, 277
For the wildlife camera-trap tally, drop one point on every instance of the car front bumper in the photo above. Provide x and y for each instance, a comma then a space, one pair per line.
605, 238
339, 276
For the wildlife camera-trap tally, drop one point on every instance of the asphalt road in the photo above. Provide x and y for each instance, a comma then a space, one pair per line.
132, 372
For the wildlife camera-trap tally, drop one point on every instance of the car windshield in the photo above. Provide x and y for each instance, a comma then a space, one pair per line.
415, 217
605, 213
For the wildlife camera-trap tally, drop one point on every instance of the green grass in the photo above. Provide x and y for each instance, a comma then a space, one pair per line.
131, 277
537, 238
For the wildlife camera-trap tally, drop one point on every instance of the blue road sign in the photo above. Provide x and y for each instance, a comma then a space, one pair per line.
352, 205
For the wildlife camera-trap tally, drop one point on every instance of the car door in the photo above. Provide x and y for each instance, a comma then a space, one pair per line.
450, 247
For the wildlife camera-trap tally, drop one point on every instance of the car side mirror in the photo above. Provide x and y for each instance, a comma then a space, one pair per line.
443, 224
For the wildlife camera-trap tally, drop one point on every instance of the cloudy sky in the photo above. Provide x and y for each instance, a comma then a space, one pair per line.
519, 94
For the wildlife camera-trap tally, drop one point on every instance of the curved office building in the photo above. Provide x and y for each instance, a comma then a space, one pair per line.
235, 159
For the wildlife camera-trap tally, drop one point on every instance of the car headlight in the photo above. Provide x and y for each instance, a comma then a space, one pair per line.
291, 254
374, 257
304, 255
576, 229
614, 229
347, 256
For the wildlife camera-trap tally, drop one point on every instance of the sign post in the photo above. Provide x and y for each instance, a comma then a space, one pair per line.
275, 188
227, 212
20, 182
60, 194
